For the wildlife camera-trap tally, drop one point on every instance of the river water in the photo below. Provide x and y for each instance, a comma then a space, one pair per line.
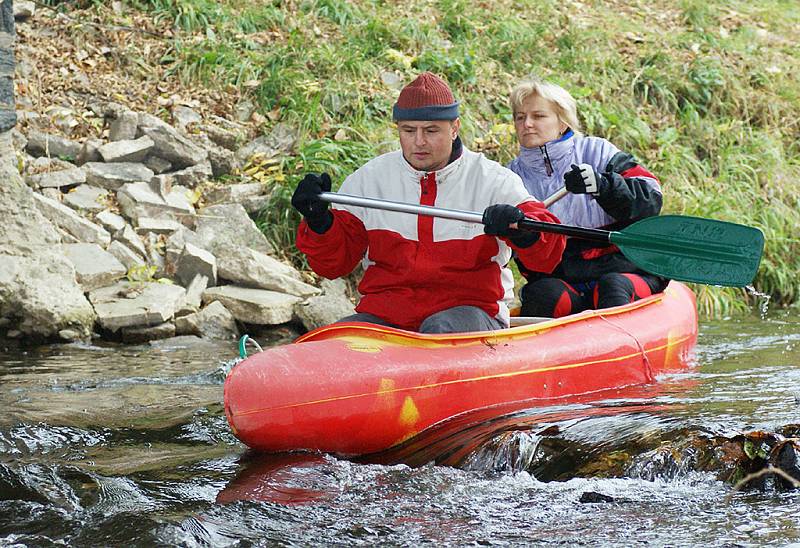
107, 445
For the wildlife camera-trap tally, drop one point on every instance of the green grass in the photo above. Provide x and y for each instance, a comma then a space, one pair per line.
704, 92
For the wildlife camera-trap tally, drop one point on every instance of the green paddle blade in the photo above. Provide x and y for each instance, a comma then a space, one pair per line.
693, 249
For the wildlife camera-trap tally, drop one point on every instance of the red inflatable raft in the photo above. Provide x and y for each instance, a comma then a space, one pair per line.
354, 388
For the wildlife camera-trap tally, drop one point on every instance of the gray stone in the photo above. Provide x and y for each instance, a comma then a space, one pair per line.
37, 284
250, 268
23, 9
110, 221
63, 217
146, 120
212, 322
183, 116
172, 146
70, 335
161, 185
90, 152
194, 294
228, 225
46, 163
125, 255
19, 140
233, 193
57, 179
281, 140
192, 176
64, 118
222, 160
136, 335
127, 151
67, 238
174, 247
194, 261
41, 291
87, 198
139, 200
244, 110
153, 244
8, 118
115, 176
254, 205
157, 226
132, 240
43, 144
325, 309
157, 165
94, 267
6, 61
254, 306
123, 124
52, 193
105, 109
128, 304
31, 118
229, 137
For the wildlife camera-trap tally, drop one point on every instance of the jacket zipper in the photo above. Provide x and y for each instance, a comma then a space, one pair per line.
548, 165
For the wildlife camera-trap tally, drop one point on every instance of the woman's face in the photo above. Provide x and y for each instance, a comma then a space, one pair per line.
536, 122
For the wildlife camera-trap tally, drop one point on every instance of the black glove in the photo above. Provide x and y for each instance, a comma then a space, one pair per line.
496, 219
583, 179
306, 200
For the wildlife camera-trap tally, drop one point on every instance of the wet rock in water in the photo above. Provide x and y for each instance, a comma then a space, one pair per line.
141, 334
591, 497
790, 431
786, 456
212, 322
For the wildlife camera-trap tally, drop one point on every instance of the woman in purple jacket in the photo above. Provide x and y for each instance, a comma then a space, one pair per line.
608, 189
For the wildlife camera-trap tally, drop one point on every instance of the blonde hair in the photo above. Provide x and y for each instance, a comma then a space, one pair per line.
565, 105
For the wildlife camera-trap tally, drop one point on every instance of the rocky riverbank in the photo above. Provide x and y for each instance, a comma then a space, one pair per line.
131, 236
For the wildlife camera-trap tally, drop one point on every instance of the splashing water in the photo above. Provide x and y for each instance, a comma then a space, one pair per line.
763, 300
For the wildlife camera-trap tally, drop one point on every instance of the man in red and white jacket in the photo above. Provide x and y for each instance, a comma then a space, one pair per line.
422, 273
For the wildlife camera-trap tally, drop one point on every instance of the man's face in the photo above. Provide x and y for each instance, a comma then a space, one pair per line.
427, 145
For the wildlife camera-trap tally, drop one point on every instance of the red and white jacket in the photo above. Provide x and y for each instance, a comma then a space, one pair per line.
416, 265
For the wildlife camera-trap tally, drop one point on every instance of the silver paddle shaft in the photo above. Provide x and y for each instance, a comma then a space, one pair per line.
455, 214
375, 203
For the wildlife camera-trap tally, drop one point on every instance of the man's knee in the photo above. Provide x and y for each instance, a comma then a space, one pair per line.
366, 318
459, 319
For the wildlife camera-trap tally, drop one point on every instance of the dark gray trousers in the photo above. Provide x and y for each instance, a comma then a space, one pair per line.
458, 319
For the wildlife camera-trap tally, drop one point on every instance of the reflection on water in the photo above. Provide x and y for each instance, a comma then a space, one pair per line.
129, 445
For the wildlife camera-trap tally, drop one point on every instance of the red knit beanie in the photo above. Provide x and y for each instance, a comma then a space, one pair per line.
426, 98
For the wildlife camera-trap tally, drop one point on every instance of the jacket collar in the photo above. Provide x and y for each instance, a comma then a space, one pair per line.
441, 174
534, 157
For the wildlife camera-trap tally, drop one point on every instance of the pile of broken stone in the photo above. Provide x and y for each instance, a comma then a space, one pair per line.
150, 263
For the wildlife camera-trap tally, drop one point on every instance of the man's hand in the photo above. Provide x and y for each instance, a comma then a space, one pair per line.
306, 200
496, 221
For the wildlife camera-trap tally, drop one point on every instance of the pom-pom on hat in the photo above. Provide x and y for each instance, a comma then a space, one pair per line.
426, 98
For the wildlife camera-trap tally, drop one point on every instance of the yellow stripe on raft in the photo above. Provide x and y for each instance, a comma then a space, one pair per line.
390, 336
382, 392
